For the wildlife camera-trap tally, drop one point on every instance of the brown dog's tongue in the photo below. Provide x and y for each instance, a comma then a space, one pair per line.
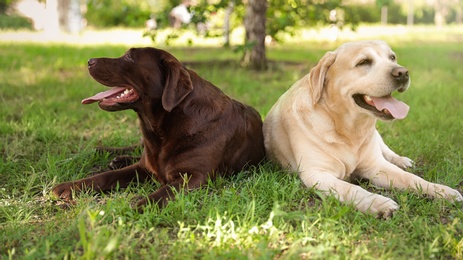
398, 109
102, 95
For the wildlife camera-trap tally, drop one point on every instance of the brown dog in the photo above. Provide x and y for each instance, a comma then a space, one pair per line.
191, 130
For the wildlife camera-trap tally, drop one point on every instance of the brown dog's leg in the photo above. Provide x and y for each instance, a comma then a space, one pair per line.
102, 182
167, 192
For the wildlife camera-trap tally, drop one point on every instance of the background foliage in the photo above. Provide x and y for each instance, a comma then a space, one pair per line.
108, 13
281, 14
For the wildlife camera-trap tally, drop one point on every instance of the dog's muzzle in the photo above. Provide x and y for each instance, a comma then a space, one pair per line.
401, 76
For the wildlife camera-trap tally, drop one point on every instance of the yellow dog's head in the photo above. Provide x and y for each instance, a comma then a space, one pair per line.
362, 75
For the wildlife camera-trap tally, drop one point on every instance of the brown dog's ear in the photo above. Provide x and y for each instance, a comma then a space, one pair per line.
318, 73
178, 85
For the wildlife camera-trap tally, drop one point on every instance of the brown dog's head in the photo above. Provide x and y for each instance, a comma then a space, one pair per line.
360, 77
140, 76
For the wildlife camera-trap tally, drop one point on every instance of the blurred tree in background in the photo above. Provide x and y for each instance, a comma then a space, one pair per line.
282, 15
262, 19
109, 13
4, 5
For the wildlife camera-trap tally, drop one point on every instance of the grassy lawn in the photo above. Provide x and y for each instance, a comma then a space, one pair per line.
47, 137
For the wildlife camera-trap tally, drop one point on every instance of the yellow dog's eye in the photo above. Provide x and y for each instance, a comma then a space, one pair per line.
392, 57
364, 62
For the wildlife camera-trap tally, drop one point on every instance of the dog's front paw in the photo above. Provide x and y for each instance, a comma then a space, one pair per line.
383, 207
402, 162
63, 191
442, 191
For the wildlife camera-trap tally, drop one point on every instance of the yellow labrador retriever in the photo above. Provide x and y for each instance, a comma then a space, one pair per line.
323, 127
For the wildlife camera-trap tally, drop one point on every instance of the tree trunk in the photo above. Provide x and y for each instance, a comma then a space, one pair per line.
440, 8
384, 14
459, 15
63, 16
254, 23
411, 12
73, 16
226, 23
52, 18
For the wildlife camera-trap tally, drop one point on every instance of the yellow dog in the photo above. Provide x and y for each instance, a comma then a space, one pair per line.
323, 127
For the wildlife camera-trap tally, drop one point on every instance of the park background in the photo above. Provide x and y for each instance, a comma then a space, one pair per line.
47, 136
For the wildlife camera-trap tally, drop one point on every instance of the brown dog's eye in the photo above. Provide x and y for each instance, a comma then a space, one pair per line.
364, 62
393, 58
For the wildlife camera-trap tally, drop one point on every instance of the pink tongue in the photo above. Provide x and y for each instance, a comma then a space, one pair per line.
398, 109
102, 95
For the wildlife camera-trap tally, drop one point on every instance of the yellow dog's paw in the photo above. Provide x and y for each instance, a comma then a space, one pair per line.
402, 162
442, 191
387, 209
378, 205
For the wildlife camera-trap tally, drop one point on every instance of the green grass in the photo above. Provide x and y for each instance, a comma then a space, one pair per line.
48, 137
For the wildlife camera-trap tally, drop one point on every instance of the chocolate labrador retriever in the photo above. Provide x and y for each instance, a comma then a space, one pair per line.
191, 130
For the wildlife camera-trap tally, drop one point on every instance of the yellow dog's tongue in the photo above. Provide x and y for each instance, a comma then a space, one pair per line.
102, 95
398, 109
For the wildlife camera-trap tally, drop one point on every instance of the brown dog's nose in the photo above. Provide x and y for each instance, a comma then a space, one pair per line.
91, 62
400, 74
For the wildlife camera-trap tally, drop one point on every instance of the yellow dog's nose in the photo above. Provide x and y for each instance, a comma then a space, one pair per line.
400, 74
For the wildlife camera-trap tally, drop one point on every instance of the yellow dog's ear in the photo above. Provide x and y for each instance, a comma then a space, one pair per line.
318, 73
178, 85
